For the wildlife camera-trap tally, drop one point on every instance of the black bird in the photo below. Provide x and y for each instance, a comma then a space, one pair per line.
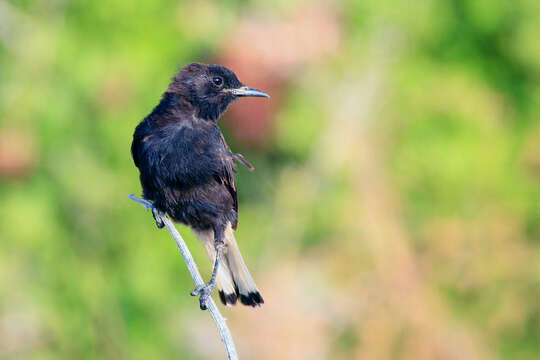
187, 171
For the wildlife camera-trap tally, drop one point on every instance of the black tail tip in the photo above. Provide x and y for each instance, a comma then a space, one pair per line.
227, 299
252, 299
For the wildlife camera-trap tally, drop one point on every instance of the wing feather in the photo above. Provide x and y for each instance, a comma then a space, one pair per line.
227, 175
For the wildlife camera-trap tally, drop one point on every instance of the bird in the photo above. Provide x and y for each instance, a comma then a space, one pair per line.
187, 170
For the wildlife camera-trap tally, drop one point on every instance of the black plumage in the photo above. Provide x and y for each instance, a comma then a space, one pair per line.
187, 170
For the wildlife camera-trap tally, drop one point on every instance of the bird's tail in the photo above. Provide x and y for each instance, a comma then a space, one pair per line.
232, 279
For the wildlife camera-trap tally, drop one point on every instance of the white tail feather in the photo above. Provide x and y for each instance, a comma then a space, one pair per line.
236, 263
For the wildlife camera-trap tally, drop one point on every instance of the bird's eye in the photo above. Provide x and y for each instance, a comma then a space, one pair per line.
217, 81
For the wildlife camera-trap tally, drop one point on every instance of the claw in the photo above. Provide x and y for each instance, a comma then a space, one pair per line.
204, 291
157, 214
197, 290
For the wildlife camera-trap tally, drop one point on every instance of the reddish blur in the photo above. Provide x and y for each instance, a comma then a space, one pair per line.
266, 54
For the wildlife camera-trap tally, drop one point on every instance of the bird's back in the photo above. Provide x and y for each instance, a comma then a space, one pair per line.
185, 160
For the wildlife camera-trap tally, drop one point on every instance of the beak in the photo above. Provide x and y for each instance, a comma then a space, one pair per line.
247, 91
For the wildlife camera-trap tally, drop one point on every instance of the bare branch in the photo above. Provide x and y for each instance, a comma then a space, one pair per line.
224, 332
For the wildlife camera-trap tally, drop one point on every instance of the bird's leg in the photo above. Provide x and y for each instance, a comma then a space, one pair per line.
205, 290
158, 214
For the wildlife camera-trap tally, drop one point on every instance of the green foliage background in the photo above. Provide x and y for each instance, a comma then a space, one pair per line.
86, 273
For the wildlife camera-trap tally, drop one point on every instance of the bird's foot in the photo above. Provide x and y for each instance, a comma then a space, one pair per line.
204, 291
158, 214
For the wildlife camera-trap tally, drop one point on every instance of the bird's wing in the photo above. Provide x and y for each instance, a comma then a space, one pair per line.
226, 177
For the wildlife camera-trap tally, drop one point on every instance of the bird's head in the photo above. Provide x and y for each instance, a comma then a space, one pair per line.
210, 89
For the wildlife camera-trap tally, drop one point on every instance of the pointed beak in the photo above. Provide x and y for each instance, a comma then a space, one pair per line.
247, 91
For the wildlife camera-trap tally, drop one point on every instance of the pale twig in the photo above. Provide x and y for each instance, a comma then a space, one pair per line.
224, 332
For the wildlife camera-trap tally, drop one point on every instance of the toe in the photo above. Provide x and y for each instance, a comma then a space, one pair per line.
198, 290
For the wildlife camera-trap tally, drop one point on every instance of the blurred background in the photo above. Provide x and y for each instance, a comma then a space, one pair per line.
394, 212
